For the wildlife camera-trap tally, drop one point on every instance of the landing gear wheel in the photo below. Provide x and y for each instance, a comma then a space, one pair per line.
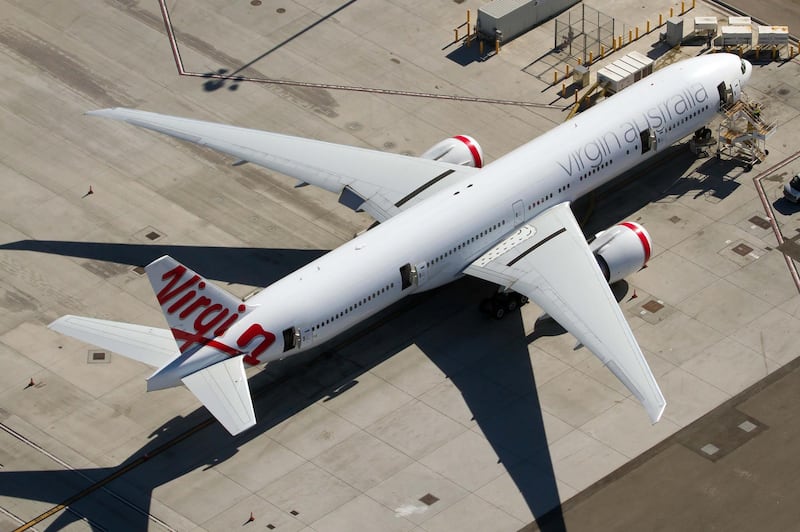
512, 303
502, 303
499, 312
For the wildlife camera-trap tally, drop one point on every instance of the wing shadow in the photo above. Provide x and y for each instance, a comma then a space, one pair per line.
249, 266
493, 372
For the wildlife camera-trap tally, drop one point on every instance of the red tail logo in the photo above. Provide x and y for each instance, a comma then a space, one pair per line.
214, 311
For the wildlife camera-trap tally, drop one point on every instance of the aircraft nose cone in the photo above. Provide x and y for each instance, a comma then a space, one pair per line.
748, 69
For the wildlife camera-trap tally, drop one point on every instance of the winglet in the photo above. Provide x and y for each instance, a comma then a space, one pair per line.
651, 397
224, 391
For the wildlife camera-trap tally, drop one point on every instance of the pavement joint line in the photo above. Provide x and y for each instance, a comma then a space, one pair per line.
329, 86
66, 505
13, 516
51, 456
771, 215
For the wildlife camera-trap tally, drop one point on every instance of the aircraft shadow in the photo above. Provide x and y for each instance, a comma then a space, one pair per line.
493, 372
494, 376
658, 180
248, 266
216, 84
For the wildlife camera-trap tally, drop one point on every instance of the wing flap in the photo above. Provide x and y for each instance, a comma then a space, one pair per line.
549, 261
150, 345
380, 179
224, 391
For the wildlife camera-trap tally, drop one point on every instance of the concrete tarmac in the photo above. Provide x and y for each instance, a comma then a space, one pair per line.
430, 416
733, 469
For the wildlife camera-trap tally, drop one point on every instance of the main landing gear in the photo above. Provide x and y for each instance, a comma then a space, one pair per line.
502, 303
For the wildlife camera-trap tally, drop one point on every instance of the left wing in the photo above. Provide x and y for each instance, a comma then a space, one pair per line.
549, 261
223, 389
379, 183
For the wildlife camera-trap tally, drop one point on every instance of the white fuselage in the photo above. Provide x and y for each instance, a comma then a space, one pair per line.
440, 236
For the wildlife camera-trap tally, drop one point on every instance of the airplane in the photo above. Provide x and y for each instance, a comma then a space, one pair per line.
439, 216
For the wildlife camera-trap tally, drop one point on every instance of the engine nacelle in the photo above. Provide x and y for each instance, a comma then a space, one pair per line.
461, 149
622, 250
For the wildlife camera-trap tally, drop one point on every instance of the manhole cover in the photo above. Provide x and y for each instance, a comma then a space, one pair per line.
742, 249
675, 219
97, 357
759, 221
152, 235
139, 270
652, 306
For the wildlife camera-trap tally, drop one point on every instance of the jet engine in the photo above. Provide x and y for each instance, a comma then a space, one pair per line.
621, 250
461, 149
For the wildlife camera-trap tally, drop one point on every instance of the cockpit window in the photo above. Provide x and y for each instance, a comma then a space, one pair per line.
744, 68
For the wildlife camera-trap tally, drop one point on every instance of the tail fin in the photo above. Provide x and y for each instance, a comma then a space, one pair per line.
196, 310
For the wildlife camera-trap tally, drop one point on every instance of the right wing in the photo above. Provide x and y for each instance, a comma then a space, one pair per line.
549, 261
150, 345
377, 182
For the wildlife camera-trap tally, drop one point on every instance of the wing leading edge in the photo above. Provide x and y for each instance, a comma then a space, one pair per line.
549, 261
379, 183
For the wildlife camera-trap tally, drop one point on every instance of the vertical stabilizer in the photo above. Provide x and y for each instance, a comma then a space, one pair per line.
196, 310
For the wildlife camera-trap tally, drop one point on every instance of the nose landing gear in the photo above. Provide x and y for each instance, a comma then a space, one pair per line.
502, 303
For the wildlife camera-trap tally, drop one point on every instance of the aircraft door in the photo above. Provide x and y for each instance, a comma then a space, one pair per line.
519, 212
291, 338
412, 275
725, 95
649, 140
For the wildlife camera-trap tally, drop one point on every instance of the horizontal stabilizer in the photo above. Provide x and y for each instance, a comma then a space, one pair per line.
223, 389
150, 345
